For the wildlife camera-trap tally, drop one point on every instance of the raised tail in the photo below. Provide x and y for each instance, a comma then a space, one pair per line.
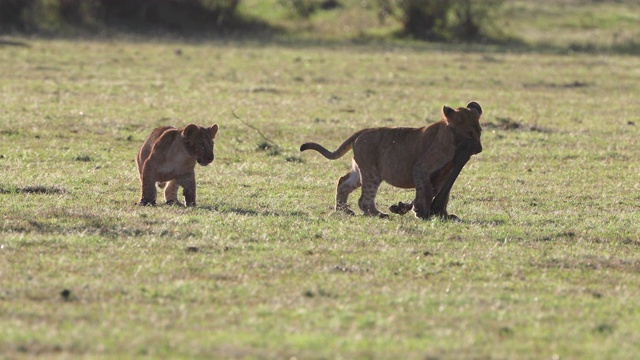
332, 155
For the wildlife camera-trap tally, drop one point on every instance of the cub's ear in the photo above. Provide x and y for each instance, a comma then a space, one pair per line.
190, 130
213, 130
447, 112
475, 106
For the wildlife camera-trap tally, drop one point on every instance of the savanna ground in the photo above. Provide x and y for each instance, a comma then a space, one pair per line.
545, 263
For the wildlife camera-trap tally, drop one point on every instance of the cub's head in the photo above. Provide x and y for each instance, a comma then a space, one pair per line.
465, 125
198, 141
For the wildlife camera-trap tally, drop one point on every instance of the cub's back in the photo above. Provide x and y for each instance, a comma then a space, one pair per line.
394, 146
145, 149
392, 153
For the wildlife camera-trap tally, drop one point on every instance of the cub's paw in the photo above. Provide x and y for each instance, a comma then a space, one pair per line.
376, 214
444, 216
401, 208
424, 215
451, 217
345, 209
146, 202
174, 203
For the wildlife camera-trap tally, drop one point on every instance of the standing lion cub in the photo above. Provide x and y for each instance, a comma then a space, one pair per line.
427, 159
170, 155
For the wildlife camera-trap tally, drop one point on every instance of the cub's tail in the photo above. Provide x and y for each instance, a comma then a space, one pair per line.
338, 153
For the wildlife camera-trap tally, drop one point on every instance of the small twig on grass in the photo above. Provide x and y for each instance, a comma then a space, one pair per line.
256, 129
271, 146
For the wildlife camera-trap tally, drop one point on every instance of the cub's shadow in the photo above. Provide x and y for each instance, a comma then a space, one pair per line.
5, 42
227, 209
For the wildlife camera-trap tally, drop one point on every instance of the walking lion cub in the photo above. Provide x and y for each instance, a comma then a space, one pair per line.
428, 159
169, 155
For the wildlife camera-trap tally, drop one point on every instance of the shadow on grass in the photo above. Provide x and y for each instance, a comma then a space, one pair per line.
255, 32
590, 263
37, 189
61, 223
14, 43
225, 209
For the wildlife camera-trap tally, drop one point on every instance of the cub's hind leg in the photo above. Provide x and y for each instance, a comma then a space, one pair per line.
171, 193
346, 185
367, 201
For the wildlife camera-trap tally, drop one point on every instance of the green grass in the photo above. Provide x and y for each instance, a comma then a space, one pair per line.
580, 25
545, 262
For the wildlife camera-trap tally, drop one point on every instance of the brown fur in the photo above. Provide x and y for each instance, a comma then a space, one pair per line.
419, 158
170, 155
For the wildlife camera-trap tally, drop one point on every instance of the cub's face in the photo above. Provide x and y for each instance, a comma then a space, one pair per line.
198, 141
465, 125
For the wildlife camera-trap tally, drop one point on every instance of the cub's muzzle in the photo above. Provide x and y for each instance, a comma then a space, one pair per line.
470, 146
205, 161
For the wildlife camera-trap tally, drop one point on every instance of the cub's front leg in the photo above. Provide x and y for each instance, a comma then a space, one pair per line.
188, 183
461, 157
424, 194
443, 183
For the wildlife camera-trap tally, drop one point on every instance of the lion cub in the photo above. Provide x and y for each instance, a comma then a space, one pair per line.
170, 155
420, 158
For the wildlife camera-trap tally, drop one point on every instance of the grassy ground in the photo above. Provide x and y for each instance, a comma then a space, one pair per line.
545, 263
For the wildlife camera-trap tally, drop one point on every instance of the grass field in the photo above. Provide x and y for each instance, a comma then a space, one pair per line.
544, 264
